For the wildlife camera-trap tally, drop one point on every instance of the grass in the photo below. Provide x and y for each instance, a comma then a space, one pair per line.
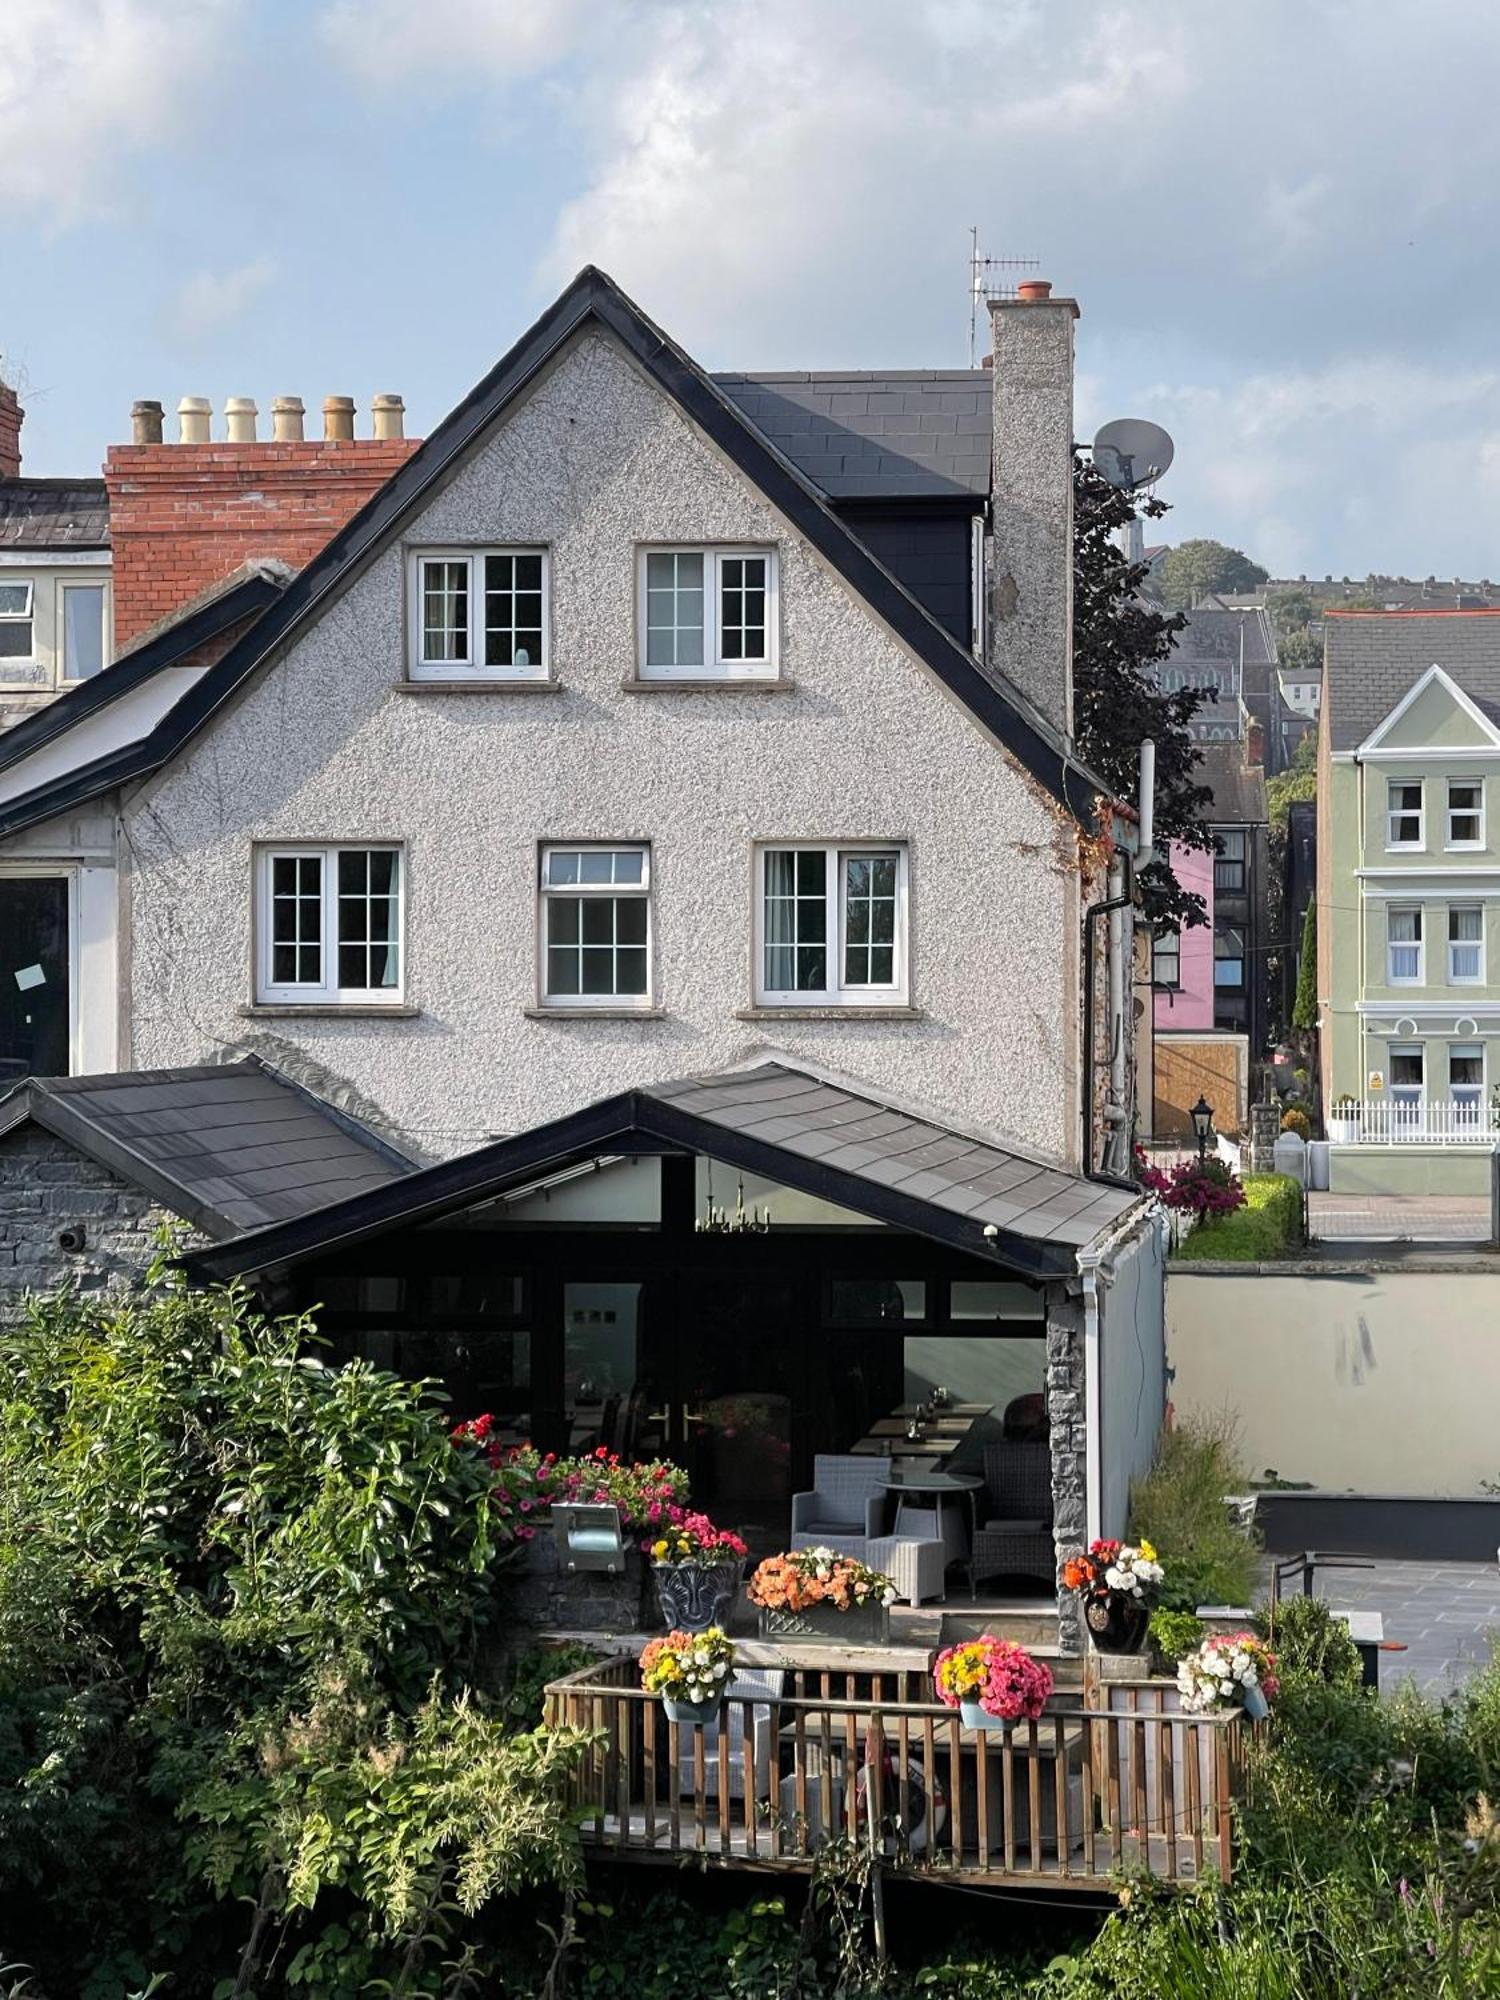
1267, 1227
1179, 1507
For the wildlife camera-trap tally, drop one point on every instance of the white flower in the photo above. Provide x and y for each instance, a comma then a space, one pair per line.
888, 1597
721, 1669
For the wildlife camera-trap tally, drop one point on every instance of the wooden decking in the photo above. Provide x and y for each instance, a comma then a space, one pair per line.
1111, 1779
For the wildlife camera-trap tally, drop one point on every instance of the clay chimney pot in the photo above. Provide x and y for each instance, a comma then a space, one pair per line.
286, 419
193, 414
1034, 289
338, 417
239, 419
387, 415
145, 422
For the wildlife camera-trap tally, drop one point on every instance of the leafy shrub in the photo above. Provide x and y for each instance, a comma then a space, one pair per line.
1296, 1120
1179, 1506
1173, 1634
1311, 1641
1267, 1227
239, 1595
1207, 1188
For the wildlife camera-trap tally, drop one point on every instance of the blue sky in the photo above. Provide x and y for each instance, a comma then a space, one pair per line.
1279, 220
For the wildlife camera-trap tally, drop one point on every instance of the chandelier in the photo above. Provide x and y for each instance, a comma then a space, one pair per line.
717, 1221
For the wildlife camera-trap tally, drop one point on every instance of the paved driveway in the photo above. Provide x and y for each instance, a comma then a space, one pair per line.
1447, 1614
1397, 1218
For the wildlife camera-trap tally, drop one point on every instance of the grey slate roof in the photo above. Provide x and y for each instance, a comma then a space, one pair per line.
847, 1126
894, 434
230, 1146
44, 514
1213, 632
1239, 788
1372, 658
827, 1136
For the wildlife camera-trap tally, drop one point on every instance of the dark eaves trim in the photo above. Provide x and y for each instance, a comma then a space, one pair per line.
245, 600
633, 1121
592, 296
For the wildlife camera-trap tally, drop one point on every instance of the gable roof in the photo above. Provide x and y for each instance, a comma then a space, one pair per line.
836, 1139
1238, 787
1372, 659
897, 434
41, 514
229, 1146
1434, 677
244, 595
595, 300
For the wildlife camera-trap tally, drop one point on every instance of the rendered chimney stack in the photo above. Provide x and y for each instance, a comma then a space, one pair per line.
146, 419
286, 420
338, 419
12, 416
388, 416
193, 415
1031, 497
240, 414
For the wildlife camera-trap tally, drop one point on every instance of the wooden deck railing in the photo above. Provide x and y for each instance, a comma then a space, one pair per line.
1126, 1784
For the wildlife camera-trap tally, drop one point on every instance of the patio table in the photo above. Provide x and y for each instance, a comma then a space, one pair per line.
942, 1491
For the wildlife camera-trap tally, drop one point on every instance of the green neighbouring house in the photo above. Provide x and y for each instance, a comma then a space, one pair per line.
1409, 900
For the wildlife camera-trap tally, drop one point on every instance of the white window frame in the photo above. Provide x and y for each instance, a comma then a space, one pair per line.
1417, 944
1450, 811
473, 558
1407, 1099
1394, 813
64, 586
836, 993
27, 618
1473, 1099
548, 893
1477, 945
713, 667
327, 992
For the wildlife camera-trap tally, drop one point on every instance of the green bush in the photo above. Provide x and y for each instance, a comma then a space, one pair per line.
1309, 1640
239, 1596
1267, 1227
1179, 1506
1174, 1634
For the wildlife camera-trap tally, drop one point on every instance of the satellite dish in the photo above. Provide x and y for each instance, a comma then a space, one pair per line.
1130, 452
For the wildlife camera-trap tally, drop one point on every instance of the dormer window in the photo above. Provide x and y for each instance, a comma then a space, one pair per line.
707, 614
15, 620
478, 614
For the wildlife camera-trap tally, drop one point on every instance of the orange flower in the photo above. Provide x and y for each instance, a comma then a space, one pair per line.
1078, 1573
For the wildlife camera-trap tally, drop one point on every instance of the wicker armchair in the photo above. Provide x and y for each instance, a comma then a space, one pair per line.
1015, 1533
845, 1507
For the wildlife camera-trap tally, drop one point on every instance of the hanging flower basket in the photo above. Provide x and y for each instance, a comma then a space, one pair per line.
690, 1671
993, 1683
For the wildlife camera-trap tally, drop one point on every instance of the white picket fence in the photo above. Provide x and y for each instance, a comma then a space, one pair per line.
1382, 1121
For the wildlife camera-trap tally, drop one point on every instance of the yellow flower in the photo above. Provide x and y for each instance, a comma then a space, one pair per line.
1147, 1551
659, 1549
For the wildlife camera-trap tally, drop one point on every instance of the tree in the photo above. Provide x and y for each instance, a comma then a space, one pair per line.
1305, 1009
1119, 639
1298, 782
1194, 569
1300, 651
1292, 611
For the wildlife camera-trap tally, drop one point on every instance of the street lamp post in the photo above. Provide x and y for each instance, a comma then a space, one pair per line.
1202, 1115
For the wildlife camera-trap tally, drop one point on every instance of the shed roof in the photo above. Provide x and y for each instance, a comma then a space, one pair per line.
1373, 658
230, 1146
44, 514
879, 435
829, 1136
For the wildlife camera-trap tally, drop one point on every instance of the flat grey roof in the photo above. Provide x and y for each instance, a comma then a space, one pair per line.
878, 435
230, 1146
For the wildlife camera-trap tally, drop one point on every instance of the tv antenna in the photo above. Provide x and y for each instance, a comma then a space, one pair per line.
987, 282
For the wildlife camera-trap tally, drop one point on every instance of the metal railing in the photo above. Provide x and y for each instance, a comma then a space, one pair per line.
1068, 1801
1382, 1121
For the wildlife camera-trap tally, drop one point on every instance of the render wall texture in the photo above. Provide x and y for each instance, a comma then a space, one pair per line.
864, 743
46, 1186
1068, 1419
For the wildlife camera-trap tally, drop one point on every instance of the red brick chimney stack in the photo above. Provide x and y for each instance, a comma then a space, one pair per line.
184, 516
12, 416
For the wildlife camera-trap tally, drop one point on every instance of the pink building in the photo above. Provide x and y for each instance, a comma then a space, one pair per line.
1183, 963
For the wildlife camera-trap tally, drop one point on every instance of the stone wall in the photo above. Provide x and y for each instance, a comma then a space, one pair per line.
1065, 1408
536, 1595
47, 1186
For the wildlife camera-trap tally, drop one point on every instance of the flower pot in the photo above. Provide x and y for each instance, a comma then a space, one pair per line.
826, 1625
975, 1717
694, 1596
693, 1714
1116, 1624
1255, 1705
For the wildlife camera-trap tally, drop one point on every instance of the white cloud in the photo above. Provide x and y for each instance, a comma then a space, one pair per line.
85, 84
212, 300
390, 44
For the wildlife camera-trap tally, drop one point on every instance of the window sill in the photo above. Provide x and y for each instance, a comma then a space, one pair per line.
595, 1013
706, 683
326, 1010
477, 686
833, 1012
